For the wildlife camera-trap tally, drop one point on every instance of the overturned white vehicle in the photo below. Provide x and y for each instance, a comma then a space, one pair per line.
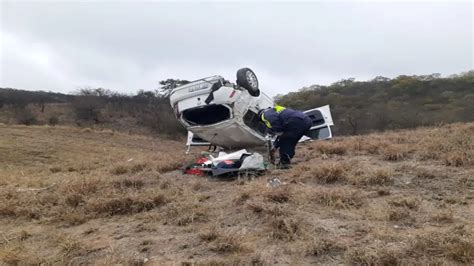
218, 112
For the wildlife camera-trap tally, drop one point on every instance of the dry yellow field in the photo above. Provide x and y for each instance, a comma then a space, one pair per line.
75, 196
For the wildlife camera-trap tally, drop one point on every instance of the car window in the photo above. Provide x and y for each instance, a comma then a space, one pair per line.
316, 116
252, 121
320, 133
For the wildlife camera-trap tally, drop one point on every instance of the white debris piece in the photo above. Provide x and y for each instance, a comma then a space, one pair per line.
274, 182
254, 161
230, 156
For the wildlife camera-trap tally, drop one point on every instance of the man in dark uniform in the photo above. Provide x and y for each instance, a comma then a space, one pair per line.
289, 125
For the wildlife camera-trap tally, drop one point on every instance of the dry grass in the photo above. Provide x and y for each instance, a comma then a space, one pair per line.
323, 173
338, 198
185, 214
397, 214
456, 245
123, 206
324, 246
331, 173
395, 153
367, 177
443, 216
279, 195
285, 228
71, 196
125, 183
227, 241
267, 210
405, 202
457, 158
425, 173
372, 255
222, 240
329, 148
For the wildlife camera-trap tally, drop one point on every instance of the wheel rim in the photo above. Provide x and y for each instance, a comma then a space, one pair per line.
252, 79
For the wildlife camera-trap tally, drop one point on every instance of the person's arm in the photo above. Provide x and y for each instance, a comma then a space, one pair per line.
276, 143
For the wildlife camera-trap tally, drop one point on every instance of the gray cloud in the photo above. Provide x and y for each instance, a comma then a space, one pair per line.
127, 46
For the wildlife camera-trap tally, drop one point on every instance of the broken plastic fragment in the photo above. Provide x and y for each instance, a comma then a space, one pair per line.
274, 182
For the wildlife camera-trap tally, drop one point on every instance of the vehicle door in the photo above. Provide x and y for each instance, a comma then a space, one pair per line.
321, 123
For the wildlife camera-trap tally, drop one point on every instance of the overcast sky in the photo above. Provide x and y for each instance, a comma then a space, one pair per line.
126, 46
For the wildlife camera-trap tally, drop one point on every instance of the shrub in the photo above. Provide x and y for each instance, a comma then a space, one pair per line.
87, 108
25, 117
53, 120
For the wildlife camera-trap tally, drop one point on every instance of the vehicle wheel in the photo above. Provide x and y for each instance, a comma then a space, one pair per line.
247, 79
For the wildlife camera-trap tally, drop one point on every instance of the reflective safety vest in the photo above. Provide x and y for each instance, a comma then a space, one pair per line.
278, 109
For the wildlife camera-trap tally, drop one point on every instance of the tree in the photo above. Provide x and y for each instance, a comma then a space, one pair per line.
168, 85
381, 103
99, 92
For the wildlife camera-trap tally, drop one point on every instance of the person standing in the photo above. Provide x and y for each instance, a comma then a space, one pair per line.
289, 125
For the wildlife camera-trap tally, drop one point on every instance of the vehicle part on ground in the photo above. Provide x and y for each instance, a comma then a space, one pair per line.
228, 164
274, 182
253, 161
270, 151
247, 79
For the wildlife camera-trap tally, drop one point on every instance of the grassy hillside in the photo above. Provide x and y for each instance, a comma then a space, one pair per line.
361, 107
357, 107
70, 195
147, 112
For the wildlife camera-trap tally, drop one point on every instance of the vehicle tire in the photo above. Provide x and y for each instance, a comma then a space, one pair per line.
247, 79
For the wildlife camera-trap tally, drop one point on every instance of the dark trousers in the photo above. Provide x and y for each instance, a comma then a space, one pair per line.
295, 129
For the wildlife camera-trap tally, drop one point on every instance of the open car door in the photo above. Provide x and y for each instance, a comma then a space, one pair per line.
322, 122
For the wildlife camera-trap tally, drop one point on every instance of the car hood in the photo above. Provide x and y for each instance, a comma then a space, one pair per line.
229, 134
